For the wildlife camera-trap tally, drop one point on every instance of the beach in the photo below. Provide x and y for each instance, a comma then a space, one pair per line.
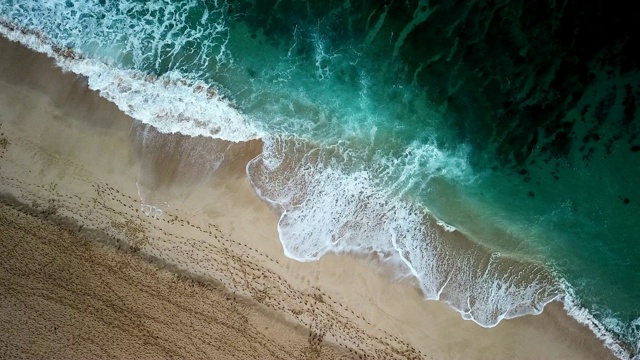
91, 270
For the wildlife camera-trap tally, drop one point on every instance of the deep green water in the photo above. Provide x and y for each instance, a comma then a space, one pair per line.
513, 121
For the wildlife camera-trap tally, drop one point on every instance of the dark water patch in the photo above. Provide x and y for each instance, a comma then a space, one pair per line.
505, 71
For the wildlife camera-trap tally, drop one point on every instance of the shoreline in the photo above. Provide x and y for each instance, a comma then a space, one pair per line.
107, 124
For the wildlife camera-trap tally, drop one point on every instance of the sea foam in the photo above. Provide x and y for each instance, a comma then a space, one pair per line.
327, 208
600, 329
170, 102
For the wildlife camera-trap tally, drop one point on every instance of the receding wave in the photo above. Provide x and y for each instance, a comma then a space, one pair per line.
326, 208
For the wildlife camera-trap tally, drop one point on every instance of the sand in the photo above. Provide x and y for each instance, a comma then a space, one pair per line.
67, 297
131, 243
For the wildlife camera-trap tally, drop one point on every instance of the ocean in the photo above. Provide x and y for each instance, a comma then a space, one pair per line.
489, 149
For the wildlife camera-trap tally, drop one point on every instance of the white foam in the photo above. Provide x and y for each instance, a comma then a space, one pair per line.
583, 316
445, 226
170, 102
140, 33
329, 208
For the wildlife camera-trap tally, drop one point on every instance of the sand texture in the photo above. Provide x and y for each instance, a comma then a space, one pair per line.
67, 297
121, 242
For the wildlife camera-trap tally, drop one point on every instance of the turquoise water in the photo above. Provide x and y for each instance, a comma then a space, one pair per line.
514, 122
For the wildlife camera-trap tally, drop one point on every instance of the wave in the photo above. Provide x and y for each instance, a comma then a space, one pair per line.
172, 103
326, 208
330, 202
607, 330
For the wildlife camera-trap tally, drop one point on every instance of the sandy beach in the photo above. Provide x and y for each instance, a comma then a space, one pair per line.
118, 241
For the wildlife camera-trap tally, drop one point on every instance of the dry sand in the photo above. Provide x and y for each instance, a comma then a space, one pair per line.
65, 296
86, 261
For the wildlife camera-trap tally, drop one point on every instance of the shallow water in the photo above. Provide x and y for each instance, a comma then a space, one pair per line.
513, 122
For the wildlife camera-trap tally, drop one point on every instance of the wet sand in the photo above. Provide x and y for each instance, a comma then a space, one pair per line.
130, 243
